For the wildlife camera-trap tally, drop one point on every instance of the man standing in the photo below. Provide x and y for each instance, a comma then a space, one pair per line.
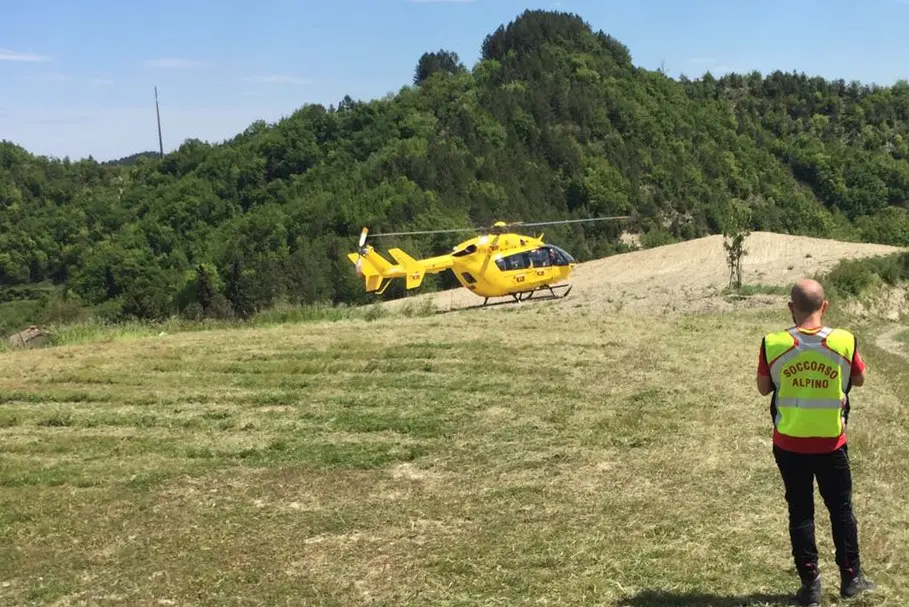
810, 369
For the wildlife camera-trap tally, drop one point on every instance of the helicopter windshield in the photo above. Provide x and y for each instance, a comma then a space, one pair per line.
562, 255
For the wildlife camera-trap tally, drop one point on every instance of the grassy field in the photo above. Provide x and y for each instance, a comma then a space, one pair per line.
532, 455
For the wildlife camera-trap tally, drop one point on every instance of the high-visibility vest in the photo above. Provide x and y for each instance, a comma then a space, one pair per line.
811, 374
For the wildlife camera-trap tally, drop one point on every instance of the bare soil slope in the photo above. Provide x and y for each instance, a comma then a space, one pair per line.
687, 276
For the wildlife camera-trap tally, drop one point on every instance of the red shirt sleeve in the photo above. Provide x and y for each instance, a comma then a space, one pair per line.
858, 365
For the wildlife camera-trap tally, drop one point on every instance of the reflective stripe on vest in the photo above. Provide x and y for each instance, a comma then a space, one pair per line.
810, 374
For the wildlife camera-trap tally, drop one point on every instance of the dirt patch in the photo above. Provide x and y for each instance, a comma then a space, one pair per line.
687, 276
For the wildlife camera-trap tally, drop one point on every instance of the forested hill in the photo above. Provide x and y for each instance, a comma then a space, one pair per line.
555, 121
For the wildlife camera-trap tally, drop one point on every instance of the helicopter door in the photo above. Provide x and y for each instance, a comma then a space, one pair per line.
542, 260
517, 262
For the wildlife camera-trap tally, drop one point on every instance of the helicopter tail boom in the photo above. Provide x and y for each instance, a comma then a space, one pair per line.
414, 271
375, 269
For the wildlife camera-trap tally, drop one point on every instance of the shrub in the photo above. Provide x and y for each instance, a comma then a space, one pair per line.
854, 277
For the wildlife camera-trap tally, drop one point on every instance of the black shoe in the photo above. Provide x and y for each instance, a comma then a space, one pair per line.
852, 586
809, 595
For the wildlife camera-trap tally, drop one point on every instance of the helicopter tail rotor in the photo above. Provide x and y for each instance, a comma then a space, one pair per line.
370, 266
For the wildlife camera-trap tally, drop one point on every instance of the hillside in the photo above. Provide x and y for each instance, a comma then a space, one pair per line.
555, 121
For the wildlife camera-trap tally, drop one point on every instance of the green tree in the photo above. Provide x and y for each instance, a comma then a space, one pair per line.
439, 61
735, 232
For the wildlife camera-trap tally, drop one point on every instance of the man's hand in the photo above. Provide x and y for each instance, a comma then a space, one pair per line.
858, 379
764, 385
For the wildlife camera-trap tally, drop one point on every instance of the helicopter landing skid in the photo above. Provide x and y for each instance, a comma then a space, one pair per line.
526, 295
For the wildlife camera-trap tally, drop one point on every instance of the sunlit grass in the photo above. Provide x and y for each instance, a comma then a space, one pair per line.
476, 457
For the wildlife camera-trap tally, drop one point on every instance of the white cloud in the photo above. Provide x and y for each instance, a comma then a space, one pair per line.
10, 55
280, 79
50, 77
173, 64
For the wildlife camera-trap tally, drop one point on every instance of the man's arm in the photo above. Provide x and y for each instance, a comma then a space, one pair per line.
858, 369
764, 384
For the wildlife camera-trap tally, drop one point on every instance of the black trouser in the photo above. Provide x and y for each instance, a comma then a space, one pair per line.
834, 479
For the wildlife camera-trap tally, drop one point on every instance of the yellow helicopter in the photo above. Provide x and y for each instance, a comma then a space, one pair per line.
497, 263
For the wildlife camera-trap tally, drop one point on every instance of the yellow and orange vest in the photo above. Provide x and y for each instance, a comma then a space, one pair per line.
811, 374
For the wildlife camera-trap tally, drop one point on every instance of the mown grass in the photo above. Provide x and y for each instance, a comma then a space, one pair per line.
484, 457
95, 329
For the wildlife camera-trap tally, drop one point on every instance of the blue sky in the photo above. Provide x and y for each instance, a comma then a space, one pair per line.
77, 78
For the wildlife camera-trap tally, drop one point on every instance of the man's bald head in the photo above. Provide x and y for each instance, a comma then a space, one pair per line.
807, 296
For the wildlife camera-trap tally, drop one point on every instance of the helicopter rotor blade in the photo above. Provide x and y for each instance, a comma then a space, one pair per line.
549, 223
451, 231
485, 229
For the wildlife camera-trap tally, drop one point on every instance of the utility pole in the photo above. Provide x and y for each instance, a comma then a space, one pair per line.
158, 112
